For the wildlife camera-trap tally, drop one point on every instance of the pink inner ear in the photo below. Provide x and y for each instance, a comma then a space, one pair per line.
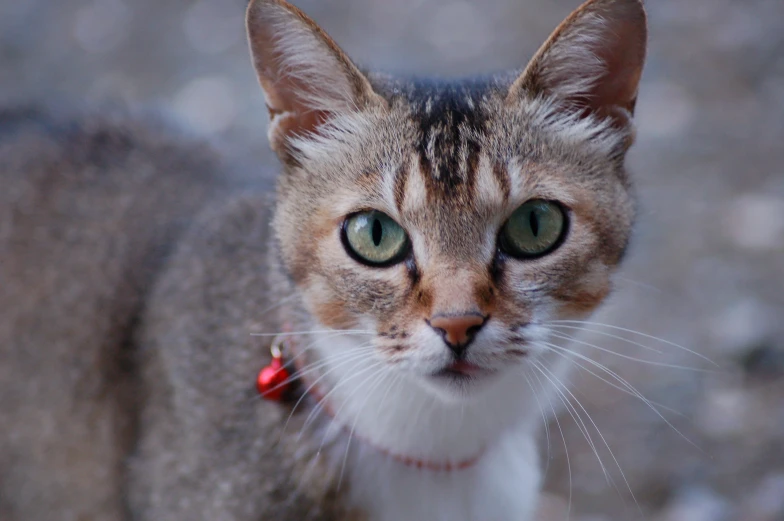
298, 124
284, 100
623, 59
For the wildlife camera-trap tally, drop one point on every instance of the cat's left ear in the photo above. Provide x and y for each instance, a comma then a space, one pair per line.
592, 62
305, 76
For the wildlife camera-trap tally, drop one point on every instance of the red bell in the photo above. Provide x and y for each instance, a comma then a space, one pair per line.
274, 380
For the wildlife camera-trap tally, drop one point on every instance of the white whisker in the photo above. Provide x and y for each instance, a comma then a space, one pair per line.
293, 377
342, 360
318, 406
644, 285
619, 388
574, 413
278, 304
544, 421
563, 437
369, 392
601, 436
627, 357
632, 331
338, 360
626, 384
323, 399
604, 333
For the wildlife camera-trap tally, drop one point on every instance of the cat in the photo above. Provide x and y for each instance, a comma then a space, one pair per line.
423, 238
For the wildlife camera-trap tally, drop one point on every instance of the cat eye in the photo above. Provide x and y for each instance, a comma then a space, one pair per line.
534, 229
373, 238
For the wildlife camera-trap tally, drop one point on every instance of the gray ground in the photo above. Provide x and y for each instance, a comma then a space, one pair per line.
707, 269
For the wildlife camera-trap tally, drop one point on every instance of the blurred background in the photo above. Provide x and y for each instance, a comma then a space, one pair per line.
706, 269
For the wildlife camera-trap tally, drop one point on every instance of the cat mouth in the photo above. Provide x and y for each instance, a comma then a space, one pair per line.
462, 370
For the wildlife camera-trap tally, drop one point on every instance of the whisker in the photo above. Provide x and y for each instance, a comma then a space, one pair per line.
626, 384
340, 361
374, 370
640, 284
306, 369
323, 399
356, 418
544, 420
632, 331
627, 357
563, 437
365, 348
296, 375
619, 388
356, 355
604, 333
279, 303
601, 436
576, 417
317, 453
334, 418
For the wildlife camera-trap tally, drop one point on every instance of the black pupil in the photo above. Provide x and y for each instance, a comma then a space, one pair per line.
377, 232
533, 221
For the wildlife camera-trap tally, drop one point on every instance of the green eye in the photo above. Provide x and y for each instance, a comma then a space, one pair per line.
534, 229
375, 239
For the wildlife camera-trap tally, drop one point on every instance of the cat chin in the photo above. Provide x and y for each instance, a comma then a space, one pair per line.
456, 388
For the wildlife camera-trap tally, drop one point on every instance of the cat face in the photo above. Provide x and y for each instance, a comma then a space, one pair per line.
452, 220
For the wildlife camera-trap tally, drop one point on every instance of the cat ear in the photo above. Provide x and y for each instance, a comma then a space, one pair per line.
305, 76
592, 62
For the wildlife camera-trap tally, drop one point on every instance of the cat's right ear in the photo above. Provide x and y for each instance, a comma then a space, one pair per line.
305, 76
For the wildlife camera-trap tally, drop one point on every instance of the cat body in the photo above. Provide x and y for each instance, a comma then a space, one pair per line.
422, 239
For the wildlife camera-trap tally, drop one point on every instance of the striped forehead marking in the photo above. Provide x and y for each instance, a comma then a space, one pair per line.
490, 189
449, 143
450, 165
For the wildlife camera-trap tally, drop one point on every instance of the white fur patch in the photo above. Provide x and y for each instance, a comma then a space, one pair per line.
343, 131
502, 486
597, 135
415, 193
487, 187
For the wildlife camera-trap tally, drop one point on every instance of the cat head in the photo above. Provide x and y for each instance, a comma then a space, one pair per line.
452, 219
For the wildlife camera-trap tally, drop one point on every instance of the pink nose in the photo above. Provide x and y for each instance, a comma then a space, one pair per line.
457, 331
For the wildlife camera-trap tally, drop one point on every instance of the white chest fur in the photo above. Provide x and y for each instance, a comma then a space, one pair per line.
502, 486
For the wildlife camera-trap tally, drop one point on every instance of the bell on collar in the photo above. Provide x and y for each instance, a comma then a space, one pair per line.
274, 380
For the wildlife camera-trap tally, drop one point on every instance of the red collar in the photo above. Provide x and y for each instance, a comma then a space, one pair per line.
275, 383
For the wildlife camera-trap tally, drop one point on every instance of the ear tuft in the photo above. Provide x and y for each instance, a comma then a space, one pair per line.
305, 76
592, 62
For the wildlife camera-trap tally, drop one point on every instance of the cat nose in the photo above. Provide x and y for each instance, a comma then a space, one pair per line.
457, 330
